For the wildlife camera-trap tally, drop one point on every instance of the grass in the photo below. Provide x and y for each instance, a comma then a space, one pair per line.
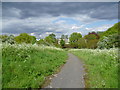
0, 67
101, 66
27, 66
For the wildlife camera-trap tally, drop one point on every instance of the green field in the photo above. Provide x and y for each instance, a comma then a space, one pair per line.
27, 66
101, 67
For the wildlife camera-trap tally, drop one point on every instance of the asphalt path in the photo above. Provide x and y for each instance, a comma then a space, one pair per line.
70, 76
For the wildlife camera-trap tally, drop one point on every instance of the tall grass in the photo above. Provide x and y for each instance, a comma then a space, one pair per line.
27, 66
101, 66
0, 66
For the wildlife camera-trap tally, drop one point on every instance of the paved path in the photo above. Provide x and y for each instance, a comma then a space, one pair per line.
70, 76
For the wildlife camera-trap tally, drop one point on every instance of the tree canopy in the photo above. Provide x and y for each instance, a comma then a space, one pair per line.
51, 39
113, 30
25, 38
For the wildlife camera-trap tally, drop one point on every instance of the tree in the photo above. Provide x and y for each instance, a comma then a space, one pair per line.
42, 42
3, 38
82, 43
92, 40
8, 39
64, 37
112, 30
51, 39
25, 38
90, 37
62, 43
33, 39
109, 42
74, 37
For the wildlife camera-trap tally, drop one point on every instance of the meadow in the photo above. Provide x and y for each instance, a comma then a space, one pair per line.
27, 66
101, 67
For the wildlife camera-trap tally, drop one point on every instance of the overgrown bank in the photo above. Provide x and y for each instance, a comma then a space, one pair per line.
101, 66
26, 66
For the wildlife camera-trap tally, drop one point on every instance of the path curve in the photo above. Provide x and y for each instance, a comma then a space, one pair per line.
70, 76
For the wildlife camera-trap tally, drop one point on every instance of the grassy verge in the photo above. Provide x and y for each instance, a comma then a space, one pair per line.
27, 66
101, 65
0, 67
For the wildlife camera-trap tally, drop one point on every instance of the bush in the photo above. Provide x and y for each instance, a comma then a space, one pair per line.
109, 42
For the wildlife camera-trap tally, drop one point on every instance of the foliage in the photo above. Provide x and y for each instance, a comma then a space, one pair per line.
33, 39
74, 37
41, 42
91, 40
101, 67
3, 38
27, 66
25, 38
7, 39
62, 43
51, 39
113, 30
90, 37
109, 42
64, 37
82, 43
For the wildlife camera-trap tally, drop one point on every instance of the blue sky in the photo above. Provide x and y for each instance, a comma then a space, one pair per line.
43, 18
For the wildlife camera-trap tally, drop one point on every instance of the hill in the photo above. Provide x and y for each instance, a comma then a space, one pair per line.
113, 30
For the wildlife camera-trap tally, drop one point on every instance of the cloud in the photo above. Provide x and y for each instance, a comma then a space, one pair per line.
32, 34
99, 10
77, 27
60, 1
101, 28
11, 12
40, 19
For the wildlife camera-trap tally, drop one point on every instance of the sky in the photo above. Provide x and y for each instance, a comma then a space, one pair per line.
43, 18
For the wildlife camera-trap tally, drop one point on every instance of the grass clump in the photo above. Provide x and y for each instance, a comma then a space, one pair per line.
101, 65
27, 66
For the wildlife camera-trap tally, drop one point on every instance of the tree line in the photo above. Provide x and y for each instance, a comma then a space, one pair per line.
92, 40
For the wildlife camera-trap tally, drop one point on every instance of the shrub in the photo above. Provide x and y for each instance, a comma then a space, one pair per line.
109, 42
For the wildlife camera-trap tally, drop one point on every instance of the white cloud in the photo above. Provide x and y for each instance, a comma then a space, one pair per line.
84, 18
101, 28
60, 22
32, 34
77, 27
48, 33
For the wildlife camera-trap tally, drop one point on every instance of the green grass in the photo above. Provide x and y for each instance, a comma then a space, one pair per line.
101, 66
0, 67
27, 66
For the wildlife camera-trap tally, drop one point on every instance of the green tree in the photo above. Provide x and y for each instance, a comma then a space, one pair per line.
110, 41
25, 38
62, 43
92, 40
33, 39
51, 39
90, 37
64, 36
112, 30
42, 42
3, 38
74, 37
8, 39
82, 43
